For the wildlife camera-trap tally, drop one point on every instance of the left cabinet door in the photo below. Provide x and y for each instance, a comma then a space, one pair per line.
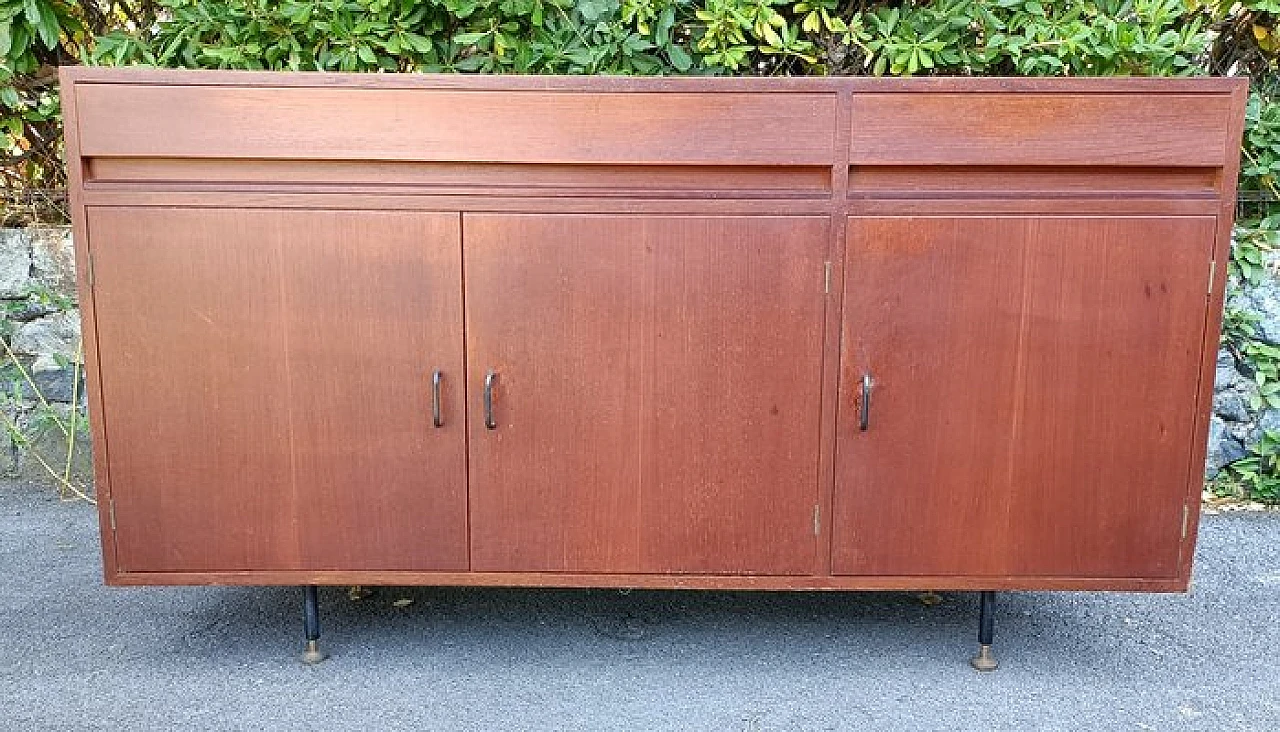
267, 388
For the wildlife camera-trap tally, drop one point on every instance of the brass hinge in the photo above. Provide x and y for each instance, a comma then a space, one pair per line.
111, 513
826, 277
817, 520
1186, 516
1213, 269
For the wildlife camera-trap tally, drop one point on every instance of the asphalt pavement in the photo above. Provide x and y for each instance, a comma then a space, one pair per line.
77, 655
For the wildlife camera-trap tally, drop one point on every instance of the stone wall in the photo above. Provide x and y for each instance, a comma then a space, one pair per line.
40, 324
1235, 426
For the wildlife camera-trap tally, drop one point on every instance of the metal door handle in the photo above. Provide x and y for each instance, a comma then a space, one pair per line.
489, 378
436, 418
864, 408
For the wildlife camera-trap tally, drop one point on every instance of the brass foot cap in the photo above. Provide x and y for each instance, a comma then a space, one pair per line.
984, 661
313, 655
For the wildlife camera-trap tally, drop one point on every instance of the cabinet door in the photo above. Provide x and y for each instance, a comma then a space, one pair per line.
266, 384
656, 398
1032, 399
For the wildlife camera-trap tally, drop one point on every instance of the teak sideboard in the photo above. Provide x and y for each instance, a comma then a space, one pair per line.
836, 333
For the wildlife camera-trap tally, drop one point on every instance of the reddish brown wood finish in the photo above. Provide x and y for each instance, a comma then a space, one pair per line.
175, 174
502, 127
1039, 129
1029, 406
658, 382
484, 179
1213, 322
275, 411
649, 581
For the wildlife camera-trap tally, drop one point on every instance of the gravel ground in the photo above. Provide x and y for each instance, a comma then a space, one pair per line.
77, 655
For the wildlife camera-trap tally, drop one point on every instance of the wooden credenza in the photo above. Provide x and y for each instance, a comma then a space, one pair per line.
837, 333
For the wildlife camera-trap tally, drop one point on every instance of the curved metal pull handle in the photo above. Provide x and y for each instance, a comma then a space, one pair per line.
436, 418
489, 378
864, 408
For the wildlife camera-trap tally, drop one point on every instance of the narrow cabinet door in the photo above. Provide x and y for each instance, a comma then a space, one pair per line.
268, 381
644, 392
1032, 394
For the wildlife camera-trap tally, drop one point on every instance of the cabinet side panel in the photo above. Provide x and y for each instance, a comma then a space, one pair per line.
88, 321
1230, 177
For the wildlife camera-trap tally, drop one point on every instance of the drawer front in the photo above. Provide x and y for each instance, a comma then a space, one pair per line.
1040, 129
451, 125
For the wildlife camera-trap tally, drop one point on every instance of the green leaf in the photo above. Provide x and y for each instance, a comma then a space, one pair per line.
41, 16
679, 58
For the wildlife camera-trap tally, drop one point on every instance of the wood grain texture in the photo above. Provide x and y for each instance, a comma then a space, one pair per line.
649, 581
1039, 129
583, 180
479, 126
1033, 399
265, 380
1213, 324
88, 332
485, 200
1016, 182
657, 395
831, 334
704, 84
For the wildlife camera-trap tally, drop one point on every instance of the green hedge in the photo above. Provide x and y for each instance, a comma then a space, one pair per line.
674, 37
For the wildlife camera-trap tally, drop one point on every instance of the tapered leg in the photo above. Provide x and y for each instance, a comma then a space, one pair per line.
985, 660
311, 623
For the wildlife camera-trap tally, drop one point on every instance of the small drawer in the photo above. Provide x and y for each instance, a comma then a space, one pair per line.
450, 125
1074, 128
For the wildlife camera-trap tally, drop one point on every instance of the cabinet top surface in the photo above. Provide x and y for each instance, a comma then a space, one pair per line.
513, 82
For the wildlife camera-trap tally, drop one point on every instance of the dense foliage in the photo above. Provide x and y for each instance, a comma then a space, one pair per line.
674, 36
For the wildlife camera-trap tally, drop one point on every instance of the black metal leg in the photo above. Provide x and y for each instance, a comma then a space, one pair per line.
985, 661
311, 623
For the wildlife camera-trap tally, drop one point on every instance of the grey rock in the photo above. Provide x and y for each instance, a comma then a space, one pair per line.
15, 263
9, 449
1224, 448
58, 385
1224, 379
1242, 431
1269, 420
57, 334
1231, 405
28, 310
53, 259
1264, 299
